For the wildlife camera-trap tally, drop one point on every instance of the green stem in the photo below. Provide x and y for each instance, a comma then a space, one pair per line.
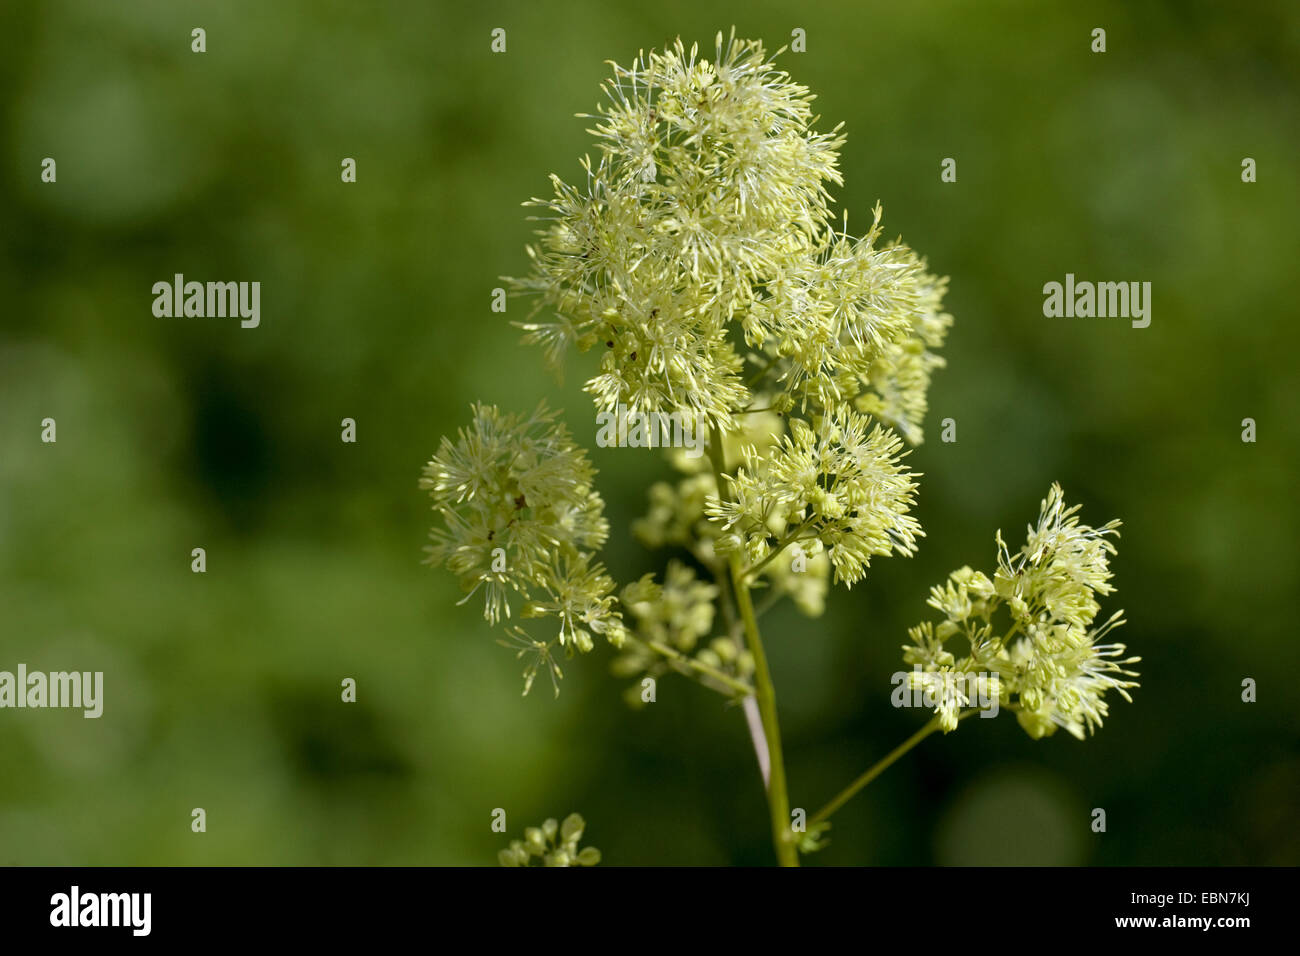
700, 668
778, 800
879, 767
779, 547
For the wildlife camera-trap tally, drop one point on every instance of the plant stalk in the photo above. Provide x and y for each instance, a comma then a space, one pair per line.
689, 663
879, 767
778, 799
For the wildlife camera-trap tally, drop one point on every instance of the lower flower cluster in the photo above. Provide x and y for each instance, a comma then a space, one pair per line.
1032, 627
551, 844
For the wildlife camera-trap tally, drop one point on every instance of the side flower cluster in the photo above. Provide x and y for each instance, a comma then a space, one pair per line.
551, 844
521, 520
1032, 627
839, 486
674, 621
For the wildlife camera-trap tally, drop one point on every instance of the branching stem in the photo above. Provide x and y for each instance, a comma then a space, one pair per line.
676, 657
879, 767
778, 799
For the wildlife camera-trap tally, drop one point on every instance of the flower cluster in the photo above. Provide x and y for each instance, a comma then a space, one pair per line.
1047, 654
672, 620
520, 518
853, 323
551, 844
706, 214
677, 511
840, 484
677, 518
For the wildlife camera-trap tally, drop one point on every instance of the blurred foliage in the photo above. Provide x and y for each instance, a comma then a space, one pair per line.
223, 689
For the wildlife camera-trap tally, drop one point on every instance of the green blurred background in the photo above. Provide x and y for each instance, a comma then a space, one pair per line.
223, 688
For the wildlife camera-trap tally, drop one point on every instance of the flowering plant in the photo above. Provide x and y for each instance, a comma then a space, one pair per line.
700, 256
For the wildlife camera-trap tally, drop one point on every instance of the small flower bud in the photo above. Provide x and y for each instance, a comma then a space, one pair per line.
572, 827
535, 840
